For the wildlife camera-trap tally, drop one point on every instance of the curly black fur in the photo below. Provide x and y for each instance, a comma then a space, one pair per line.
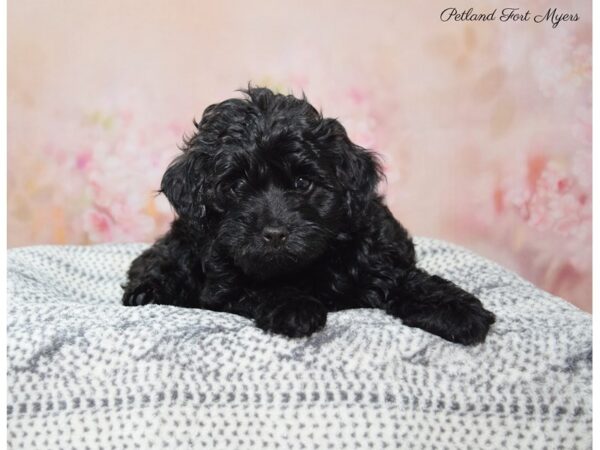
279, 220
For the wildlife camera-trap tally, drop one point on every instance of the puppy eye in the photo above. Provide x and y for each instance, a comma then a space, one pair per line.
302, 184
236, 186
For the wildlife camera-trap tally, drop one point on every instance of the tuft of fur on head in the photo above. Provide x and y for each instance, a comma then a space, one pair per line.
271, 162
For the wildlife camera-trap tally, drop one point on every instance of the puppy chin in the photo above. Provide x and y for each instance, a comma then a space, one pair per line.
263, 264
266, 266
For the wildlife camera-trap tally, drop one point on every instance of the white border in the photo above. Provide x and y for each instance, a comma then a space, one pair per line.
595, 205
3, 235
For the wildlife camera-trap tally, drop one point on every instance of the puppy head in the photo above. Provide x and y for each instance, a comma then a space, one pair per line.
271, 181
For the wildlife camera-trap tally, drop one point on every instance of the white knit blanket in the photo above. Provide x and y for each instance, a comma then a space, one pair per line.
86, 372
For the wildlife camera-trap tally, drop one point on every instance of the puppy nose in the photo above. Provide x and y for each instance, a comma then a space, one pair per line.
275, 235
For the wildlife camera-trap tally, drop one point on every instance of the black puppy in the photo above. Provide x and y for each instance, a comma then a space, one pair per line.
279, 220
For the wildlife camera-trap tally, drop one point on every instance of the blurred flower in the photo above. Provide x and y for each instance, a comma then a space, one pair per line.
115, 168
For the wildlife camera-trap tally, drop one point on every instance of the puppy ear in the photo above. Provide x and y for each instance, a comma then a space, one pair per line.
358, 170
359, 174
184, 184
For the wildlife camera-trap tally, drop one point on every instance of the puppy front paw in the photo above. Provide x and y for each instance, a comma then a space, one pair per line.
462, 323
293, 318
142, 294
442, 308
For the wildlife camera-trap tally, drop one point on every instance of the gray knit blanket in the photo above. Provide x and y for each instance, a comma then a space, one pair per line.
85, 372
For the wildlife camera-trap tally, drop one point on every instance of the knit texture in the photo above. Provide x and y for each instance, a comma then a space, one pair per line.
86, 372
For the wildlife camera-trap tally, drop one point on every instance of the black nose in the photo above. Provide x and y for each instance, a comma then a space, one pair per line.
275, 235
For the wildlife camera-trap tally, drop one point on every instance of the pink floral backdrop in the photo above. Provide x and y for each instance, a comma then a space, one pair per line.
484, 127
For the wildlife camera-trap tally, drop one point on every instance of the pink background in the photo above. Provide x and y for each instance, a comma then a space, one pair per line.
485, 128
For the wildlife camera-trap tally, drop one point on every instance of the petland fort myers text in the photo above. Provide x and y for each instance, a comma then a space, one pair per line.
551, 16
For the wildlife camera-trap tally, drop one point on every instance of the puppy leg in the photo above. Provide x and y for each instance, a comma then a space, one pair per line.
289, 312
162, 276
440, 307
280, 310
